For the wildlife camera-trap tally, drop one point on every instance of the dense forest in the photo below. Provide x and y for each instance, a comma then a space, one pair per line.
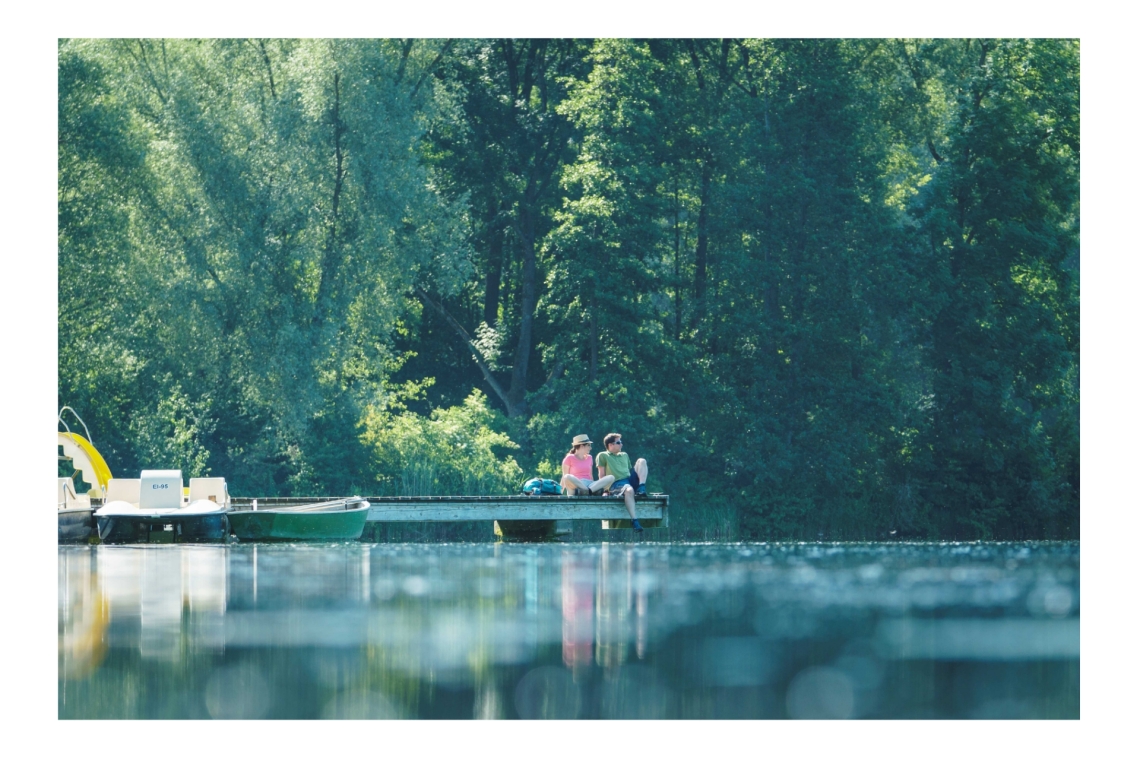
825, 287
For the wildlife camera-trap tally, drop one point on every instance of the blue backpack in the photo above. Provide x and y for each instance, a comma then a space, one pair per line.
541, 487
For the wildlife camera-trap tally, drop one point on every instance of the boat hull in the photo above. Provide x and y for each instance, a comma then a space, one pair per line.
76, 525
282, 525
212, 527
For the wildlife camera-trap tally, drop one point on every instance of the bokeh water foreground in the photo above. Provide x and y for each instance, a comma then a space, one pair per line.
617, 630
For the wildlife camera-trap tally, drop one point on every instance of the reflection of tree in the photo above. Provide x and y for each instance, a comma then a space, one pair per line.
353, 631
616, 614
642, 618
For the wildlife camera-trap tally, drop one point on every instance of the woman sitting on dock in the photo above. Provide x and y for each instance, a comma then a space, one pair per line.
578, 469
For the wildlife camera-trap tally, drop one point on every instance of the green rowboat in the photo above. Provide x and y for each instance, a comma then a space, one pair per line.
340, 520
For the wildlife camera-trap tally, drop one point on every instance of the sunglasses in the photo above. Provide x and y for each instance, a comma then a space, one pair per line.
617, 443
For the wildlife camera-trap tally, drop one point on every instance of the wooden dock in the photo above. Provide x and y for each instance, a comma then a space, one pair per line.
526, 513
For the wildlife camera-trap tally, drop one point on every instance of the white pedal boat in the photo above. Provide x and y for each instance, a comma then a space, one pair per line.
153, 509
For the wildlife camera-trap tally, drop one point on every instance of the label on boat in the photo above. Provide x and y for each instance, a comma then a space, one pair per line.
161, 489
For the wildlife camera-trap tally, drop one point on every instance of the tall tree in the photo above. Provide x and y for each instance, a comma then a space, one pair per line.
1000, 219
283, 213
838, 280
511, 91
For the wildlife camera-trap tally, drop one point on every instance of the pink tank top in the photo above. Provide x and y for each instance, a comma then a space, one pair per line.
580, 468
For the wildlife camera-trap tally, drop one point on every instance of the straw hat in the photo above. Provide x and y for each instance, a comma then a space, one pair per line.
579, 440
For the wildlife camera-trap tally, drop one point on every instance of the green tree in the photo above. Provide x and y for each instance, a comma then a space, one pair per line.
824, 286
1000, 221
458, 450
99, 153
281, 214
507, 155
730, 205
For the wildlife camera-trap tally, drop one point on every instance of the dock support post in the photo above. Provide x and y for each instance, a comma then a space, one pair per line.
532, 530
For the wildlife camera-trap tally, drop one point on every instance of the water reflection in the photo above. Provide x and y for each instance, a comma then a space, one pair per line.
570, 631
577, 610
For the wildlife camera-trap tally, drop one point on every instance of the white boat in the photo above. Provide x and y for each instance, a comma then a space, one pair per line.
155, 508
76, 517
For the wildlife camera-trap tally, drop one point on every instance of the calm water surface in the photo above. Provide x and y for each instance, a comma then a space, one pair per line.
618, 630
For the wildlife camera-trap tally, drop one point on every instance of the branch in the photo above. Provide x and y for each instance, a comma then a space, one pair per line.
919, 85
722, 64
556, 372
187, 243
145, 66
331, 261
535, 48
696, 64
751, 92
407, 51
443, 51
507, 47
746, 70
268, 68
338, 131
933, 152
475, 353
876, 44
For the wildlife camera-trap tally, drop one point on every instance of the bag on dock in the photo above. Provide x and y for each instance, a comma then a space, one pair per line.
540, 487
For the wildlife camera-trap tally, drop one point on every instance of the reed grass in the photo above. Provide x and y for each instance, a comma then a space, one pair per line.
427, 479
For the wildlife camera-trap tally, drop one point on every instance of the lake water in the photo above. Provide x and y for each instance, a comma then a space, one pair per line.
612, 630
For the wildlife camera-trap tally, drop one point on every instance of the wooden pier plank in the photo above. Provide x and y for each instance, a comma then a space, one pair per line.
539, 509
652, 511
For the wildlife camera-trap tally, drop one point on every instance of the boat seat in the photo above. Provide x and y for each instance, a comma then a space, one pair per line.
209, 489
124, 489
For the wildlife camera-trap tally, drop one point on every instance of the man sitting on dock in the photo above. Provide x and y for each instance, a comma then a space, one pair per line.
613, 461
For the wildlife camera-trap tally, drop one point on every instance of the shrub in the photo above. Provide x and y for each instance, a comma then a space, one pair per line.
460, 450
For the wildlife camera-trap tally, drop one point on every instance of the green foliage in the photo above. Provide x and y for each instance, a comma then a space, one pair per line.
268, 217
822, 286
170, 438
1001, 213
458, 450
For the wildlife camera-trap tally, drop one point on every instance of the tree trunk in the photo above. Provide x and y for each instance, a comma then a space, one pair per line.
330, 265
677, 303
494, 275
700, 277
594, 331
516, 395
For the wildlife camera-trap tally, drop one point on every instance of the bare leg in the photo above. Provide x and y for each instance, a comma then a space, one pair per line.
642, 470
628, 496
571, 483
602, 484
